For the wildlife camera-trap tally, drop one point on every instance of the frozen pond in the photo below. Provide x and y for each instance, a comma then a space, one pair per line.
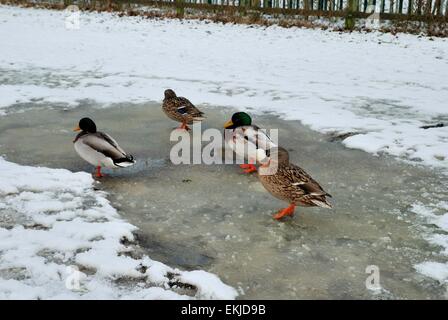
217, 219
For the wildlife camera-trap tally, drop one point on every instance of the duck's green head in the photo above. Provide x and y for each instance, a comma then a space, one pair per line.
86, 125
239, 119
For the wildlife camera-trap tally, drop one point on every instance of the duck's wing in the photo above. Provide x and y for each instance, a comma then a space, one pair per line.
309, 190
112, 141
257, 137
185, 107
246, 140
304, 181
105, 144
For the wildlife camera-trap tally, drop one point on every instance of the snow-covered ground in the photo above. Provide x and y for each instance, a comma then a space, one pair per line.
381, 85
61, 239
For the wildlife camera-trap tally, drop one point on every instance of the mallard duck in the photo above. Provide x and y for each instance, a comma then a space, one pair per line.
180, 109
288, 182
246, 138
98, 148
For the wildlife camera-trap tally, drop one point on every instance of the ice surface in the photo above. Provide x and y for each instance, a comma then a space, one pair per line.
381, 85
216, 219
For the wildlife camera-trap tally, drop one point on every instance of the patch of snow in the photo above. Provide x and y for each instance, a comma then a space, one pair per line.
436, 214
62, 228
432, 215
435, 270
207, 284
383, 86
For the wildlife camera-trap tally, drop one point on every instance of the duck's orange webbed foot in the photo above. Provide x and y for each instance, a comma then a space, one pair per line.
289, 211
249, 168
98, 173
184, 126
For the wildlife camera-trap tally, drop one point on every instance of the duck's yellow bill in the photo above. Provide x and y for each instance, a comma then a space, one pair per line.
228, 124
77, 128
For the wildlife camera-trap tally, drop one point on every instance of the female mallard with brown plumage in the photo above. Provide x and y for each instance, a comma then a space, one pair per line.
288, 182
180, 109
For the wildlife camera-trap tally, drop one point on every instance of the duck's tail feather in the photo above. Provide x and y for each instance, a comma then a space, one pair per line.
125, 162
322, 203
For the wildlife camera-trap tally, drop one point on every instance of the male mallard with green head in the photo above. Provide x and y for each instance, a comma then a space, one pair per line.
288, 182
180, 109
246, 138
99, 148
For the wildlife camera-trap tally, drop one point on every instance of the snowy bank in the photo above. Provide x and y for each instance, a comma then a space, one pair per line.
61, 239
382, 86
